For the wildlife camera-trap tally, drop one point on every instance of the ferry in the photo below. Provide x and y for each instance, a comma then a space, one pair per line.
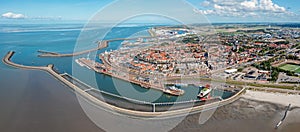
173, 91
204, 92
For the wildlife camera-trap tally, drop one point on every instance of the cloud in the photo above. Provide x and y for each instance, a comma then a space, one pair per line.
250, 5
11, 15
242, 8
268, 5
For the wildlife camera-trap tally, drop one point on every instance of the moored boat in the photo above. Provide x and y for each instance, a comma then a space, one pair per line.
173, 91
181, 84
204, 92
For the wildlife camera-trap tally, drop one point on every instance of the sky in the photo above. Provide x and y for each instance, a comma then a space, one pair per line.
215, 10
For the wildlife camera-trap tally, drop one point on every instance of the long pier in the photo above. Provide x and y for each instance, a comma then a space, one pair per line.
101, 45
112, 108
284, 116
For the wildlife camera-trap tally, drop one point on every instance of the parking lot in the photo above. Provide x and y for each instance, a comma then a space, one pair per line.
283, 78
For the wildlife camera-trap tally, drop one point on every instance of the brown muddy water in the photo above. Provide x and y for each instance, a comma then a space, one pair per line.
33, 101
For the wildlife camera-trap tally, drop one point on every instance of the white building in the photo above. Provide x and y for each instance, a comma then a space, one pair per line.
230, 71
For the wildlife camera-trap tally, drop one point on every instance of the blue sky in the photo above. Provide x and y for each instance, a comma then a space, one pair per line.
214, 10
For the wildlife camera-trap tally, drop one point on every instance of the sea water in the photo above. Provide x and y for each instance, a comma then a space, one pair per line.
27, 39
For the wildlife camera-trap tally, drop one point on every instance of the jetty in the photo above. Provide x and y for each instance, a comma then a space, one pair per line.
284, 116
101, 45
6, 60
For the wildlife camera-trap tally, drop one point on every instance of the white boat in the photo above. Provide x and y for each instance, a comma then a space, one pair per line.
174, 91
83, 62
173, 88
181, 84
204, 92
78, 62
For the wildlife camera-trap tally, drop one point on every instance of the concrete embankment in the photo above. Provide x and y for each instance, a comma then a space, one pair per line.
101, 45
112, 108
7, 61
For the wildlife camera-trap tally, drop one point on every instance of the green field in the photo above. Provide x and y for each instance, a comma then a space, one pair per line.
297, 71
290, 67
